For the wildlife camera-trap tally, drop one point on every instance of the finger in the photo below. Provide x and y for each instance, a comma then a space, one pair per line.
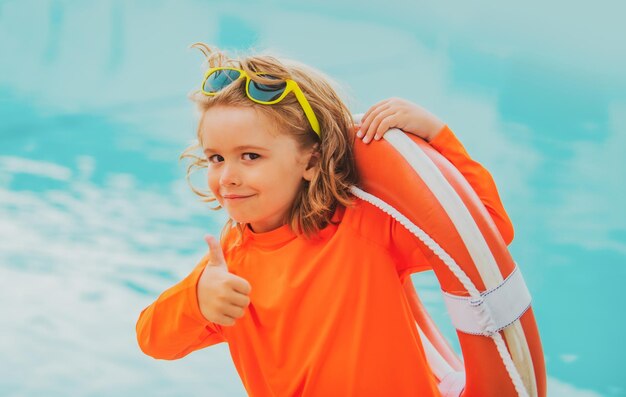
369, 111
366, 129
240, 300
233, 311
374, 127
216, 256
385, 125
240, 285
368, 117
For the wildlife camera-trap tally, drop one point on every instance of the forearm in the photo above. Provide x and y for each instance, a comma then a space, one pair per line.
172, 326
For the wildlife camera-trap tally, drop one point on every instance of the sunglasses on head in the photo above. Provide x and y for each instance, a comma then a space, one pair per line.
216, 79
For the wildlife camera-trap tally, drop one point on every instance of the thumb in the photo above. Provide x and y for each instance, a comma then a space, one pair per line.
216, 256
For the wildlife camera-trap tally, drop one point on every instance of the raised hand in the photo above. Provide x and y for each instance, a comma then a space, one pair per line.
222, 296
398, 113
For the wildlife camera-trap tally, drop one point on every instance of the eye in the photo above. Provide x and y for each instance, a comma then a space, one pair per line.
216, 158
250, 156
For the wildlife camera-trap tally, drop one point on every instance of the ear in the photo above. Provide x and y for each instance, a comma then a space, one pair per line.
313, 162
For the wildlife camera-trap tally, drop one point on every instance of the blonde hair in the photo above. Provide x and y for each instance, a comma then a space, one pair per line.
316, 200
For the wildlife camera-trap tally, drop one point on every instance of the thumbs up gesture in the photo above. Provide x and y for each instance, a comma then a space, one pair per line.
222, 296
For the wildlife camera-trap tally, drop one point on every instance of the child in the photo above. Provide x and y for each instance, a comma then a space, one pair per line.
306, 287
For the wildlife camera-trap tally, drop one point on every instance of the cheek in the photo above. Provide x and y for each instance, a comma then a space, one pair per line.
213, 180
288, 183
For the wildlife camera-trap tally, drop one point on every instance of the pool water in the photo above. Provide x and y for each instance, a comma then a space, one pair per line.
96, 218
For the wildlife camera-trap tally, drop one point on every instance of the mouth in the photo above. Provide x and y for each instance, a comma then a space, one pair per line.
235, 197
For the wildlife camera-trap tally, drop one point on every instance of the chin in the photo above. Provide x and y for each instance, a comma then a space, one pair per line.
239, 219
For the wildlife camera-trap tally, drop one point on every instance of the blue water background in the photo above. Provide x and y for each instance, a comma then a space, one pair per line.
96, 218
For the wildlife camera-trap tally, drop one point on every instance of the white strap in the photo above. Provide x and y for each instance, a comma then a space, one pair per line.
506, 302
452, 385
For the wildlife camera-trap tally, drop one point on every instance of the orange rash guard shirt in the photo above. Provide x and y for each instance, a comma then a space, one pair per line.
327, 316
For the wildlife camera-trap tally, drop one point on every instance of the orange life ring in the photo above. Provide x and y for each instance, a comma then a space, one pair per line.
499, 339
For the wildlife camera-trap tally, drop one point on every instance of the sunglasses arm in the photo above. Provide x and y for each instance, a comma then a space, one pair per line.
308, 110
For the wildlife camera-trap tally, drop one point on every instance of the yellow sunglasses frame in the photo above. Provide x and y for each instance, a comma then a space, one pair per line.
291, 86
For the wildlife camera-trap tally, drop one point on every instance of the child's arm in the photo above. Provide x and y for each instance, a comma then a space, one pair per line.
446, 143
173, 326
411, 118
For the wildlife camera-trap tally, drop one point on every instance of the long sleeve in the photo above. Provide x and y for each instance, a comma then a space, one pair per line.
173, 326
478, 177
408, 258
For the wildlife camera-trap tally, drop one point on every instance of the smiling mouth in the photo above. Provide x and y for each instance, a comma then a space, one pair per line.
236, 197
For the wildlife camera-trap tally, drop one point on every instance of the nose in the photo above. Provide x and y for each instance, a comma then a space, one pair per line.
230, 175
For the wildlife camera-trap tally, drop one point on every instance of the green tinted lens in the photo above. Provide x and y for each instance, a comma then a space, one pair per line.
220, 79
266, 92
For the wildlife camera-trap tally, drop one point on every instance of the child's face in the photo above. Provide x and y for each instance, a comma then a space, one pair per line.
253, 170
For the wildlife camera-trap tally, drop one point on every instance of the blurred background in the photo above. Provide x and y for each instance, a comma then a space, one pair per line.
96, 219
